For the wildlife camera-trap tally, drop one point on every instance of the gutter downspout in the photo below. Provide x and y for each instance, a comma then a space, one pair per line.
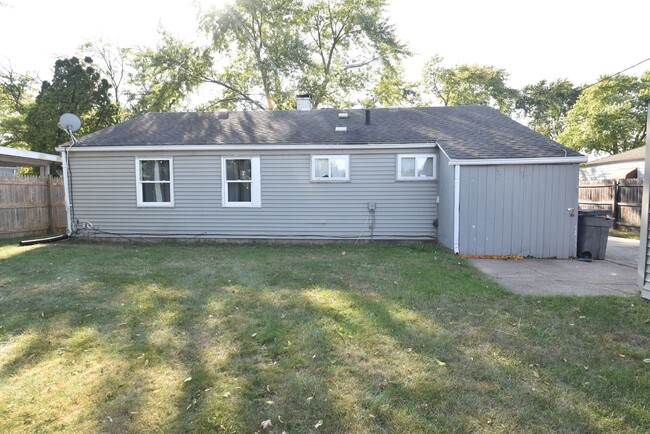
457, 209
65, 152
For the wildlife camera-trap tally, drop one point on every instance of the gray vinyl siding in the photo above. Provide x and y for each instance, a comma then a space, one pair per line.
446, 202
519, 210
293, 207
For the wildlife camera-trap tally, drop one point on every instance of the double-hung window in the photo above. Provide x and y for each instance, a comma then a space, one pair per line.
155, 181
413, 167
241, 186
330, 168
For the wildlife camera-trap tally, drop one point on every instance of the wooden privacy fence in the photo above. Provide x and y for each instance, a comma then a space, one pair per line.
31, 205
622, 197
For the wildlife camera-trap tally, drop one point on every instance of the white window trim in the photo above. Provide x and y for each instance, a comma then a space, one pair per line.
330, 179
138, 182
399, 176
256, 183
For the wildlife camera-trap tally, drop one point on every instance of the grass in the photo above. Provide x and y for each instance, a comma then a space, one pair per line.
630, 235
206, 337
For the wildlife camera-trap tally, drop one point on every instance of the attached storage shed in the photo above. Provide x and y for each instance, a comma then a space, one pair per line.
479, 182
515, 194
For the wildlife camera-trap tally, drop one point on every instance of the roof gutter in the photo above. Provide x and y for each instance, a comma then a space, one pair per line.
226, 147
517, 161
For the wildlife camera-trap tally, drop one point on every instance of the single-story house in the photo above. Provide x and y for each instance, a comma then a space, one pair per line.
626, 165
469, 177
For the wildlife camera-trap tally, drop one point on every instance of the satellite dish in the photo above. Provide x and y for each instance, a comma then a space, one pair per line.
69, 122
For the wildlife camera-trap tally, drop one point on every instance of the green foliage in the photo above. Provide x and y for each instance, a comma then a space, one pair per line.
112, 63
547, 104
164, 77
258, 44
16, 96
263, 52
609, 116
354, 49
391, 90
75, 88
468, 85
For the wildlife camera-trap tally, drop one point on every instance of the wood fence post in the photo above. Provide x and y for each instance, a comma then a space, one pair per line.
50, 205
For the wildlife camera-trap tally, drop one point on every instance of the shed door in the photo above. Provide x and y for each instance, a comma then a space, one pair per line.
519, 210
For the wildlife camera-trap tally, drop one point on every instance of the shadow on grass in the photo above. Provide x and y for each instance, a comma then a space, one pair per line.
219, 338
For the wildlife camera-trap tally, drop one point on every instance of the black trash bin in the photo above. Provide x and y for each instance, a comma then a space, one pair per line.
593, 230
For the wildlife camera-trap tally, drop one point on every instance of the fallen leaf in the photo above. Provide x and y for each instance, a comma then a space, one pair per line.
440, 362
227, 395
646, 360
318, 424
253, 335
309, 399
266, 424
535, 374
187, 379
269, 402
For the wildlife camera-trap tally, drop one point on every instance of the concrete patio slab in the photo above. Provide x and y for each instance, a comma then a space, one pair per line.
569, 276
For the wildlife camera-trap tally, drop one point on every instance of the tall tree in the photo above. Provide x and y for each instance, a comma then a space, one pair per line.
468, 84
609, 116
263, 52
16, 97
112, 63
354, 48
76, 88
547, 104
260, 48
163, 78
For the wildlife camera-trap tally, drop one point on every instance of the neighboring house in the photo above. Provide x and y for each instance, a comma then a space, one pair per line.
469, 177
626, 165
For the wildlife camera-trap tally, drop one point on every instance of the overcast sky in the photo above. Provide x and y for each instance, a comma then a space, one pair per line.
532, 40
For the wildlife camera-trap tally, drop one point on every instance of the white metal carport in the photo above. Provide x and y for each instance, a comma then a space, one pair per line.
20, 158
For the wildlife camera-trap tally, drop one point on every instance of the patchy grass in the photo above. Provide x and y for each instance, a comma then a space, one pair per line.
208, 337
630, 235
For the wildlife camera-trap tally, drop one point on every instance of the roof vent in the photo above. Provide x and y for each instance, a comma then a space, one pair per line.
343, 115
303, 102
222, 114
341, 129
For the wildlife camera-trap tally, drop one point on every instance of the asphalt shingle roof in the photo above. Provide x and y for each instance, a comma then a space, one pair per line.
463, 132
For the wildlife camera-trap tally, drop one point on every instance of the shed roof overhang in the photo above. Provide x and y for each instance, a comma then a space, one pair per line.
20, 157
511, 161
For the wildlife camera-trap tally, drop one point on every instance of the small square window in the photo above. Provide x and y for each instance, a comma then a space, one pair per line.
154, 179
416, 167
327, 168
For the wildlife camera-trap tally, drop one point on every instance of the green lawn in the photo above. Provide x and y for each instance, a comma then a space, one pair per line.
208, 337
630, 235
